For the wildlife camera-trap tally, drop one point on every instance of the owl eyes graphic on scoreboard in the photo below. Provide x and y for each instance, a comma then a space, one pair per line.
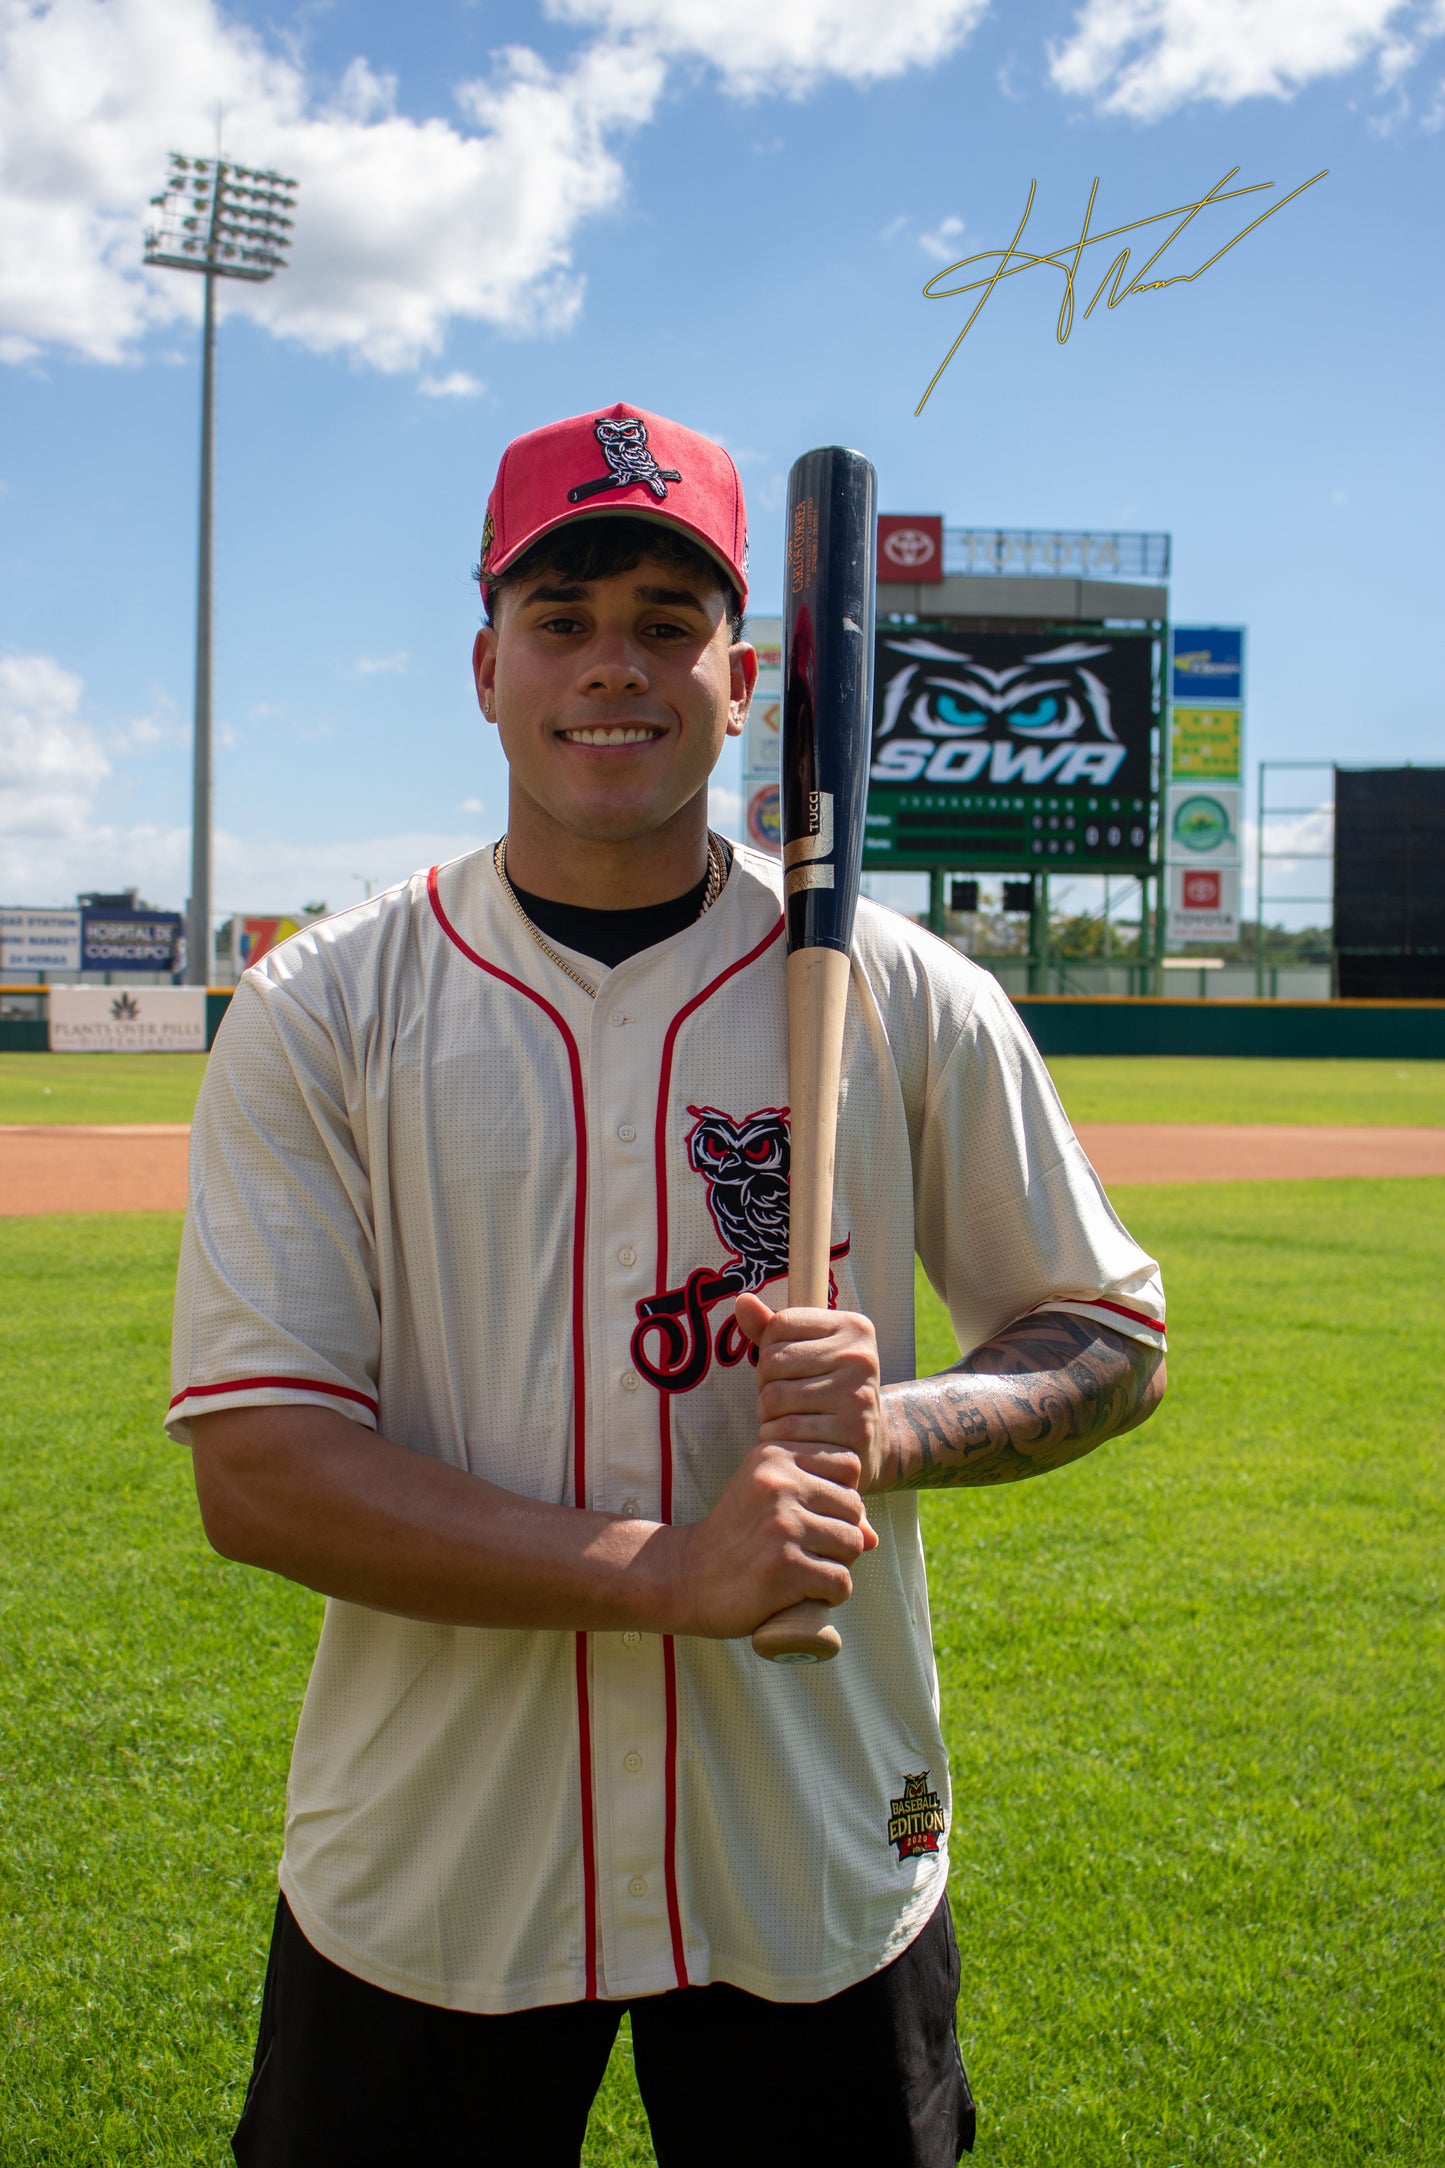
943, 693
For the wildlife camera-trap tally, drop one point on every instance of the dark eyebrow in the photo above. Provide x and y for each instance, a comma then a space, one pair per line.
575, 593
670, 598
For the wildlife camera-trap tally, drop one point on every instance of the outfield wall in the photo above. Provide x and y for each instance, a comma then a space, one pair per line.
1361, 1030
1067, 1024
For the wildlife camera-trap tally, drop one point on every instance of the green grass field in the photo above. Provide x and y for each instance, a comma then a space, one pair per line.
1095, 1088
99, 1087
1192, 1689
1168, 1088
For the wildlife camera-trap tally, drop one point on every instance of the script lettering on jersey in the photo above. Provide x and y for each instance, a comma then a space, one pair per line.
744, 1165
1014, 259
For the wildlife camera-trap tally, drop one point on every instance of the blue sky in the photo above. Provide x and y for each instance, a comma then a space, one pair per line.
728, 214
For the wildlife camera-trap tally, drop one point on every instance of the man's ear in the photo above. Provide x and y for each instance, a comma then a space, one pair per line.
484, 671
743, 676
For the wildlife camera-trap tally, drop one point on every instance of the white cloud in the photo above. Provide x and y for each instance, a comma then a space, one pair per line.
940, 244
275, 873
383, 665
1146, 58
252, 873
402, 224
725, 809
51, 761
456, 385
787, 45
471, 805
143, 734
53, 845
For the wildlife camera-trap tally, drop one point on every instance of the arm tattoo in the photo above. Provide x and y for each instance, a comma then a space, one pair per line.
1042, 1392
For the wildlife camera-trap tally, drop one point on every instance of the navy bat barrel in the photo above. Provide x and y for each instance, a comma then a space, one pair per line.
830, 585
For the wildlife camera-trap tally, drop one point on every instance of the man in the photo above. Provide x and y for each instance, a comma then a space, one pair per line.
474, 1335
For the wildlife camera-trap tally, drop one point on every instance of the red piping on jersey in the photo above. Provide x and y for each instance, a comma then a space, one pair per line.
579, 1406
664, 1423
669, 1825
1101, 1302
297, 1385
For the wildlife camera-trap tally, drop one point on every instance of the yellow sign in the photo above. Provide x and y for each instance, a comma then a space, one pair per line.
1204, 745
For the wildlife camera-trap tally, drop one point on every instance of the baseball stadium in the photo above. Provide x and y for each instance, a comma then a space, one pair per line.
497, 1667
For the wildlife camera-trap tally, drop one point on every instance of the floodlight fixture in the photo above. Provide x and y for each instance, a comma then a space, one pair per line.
223, 221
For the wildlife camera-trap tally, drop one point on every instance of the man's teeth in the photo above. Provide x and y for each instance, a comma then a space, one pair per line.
619, 734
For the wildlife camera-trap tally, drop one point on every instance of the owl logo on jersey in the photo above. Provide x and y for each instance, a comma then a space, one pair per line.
624, 447
744, 1165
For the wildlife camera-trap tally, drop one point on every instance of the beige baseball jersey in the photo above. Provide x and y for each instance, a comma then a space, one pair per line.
436, 1186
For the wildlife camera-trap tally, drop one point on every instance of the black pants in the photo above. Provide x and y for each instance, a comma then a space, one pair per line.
349, 2076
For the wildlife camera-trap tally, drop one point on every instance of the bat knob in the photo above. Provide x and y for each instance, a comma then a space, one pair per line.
803, 1634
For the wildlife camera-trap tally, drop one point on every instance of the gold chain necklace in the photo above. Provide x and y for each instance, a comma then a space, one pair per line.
716, 875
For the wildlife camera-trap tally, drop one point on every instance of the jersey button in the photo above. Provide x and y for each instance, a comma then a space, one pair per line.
627, 1255
631, 1639
632, 1761
626, 1131
617, 1017
629, 1381
632, 1511
637, 1887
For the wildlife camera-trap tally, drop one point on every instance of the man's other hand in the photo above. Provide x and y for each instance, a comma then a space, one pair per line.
817, 1381
789, 1525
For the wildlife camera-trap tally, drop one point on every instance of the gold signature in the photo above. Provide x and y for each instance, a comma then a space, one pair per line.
1066, 259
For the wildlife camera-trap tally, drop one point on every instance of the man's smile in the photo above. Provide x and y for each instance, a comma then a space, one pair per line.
612, 734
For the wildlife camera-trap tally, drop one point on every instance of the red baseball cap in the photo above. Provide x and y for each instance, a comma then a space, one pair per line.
619, 459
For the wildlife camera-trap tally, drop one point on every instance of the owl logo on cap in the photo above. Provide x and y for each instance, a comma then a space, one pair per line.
624, 447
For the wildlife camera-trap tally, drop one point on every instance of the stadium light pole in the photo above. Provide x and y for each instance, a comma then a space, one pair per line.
222, 221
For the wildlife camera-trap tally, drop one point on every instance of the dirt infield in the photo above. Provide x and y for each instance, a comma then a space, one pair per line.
108, 1167
1254, 1151
122, 1168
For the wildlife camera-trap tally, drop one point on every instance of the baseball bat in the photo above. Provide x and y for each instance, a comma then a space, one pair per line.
827, 737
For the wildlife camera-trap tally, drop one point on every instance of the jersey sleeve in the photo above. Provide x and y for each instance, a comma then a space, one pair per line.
276, 1295
1010, 1216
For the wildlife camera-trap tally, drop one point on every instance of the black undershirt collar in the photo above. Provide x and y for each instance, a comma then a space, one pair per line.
612, 936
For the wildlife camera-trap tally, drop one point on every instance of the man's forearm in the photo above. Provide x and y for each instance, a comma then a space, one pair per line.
324, 1501
1042, 1392
304, 1492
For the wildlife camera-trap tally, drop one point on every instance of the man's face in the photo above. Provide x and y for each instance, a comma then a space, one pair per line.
614, 698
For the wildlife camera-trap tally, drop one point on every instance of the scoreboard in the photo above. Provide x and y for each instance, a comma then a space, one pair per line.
999, 832
1014, 751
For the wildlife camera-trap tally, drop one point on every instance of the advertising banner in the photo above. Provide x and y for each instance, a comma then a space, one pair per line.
39, 940
762, 739
766, 635
253, 938
998, 750
910, 546
130, 940
1208, 665
130, 1020
765, 817
1203, 903
1206, 745
1203, 824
